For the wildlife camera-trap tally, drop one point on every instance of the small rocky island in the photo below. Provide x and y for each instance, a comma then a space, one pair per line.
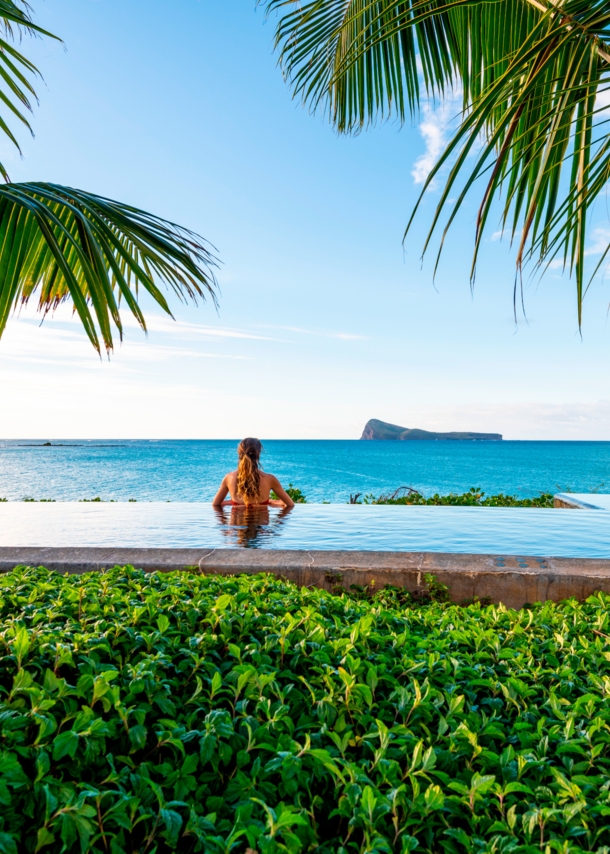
375, 429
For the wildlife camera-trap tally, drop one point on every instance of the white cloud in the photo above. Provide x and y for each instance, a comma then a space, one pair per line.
527, 420
346, 336
601, 239
602, 100
51, 344
160, 323
506, 232
155, 323
343, 336
435, 130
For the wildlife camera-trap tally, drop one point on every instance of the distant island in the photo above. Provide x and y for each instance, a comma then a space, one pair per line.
375, 429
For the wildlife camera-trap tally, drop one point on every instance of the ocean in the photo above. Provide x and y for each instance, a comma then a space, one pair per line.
325, 470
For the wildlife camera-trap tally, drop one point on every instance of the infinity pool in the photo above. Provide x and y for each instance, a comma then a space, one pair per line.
471, 530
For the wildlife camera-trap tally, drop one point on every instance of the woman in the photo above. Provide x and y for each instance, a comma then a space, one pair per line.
249, 486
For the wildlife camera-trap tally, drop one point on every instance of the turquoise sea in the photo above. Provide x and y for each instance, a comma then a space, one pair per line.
325, 470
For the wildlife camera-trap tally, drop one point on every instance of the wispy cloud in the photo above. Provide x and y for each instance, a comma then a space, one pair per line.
155, 323
602, 100
601, 240
435, 129
158, 323
343, 336
346, 336
27, 343
575, 420
184, 330
506, 232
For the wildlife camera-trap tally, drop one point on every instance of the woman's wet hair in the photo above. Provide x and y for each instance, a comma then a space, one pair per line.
248, 471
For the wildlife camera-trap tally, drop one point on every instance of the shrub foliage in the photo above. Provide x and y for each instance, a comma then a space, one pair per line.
474, 497
150, 713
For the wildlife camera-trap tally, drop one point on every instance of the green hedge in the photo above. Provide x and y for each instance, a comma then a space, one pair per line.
475, 497
179, 712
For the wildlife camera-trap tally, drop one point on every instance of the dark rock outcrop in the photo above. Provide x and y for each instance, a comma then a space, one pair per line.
375, 429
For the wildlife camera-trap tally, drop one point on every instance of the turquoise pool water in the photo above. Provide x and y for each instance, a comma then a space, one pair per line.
470, 530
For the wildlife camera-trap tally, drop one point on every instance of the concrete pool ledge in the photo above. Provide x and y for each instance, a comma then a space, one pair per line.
582, 501
509, 579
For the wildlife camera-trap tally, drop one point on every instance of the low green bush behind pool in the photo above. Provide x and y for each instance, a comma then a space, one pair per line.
474, 497
155, 713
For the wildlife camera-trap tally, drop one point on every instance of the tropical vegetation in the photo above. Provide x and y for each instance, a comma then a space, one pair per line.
404, 495
531, 140
61, 244
294, 492
180, 712
472, 498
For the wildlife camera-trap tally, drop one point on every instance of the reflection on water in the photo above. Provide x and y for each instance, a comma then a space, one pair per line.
250, 527
470, 530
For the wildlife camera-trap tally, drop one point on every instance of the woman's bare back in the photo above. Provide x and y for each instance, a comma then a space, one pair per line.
249, 486
265, 487
267, 483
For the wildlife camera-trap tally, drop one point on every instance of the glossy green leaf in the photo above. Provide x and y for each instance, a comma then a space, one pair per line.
441, 757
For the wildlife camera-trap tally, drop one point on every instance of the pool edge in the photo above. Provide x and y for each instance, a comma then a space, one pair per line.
512, 580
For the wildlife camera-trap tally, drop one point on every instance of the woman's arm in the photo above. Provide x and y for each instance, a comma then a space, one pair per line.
221, 494
281, 493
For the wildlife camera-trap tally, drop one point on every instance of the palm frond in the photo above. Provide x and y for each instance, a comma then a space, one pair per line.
360, 59
545, 143
59, 244
16, 71
530, 71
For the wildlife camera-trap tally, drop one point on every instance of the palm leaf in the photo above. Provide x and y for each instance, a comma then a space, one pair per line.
59, 244
16, 71
530, 71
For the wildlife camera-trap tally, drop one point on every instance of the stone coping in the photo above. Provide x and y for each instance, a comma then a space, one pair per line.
512, 580
582, 501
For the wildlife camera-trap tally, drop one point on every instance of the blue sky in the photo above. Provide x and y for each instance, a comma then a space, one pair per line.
325, 320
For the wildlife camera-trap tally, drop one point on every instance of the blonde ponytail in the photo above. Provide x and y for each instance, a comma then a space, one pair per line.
248, 470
